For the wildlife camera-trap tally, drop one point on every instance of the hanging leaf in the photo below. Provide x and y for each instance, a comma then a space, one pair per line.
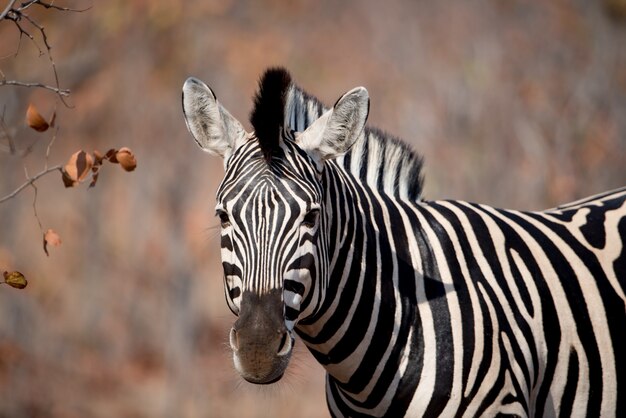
35, 120
94, 179
110, 155
77, 168
15, 279
67, 181
126, 158
50, 238
98, 157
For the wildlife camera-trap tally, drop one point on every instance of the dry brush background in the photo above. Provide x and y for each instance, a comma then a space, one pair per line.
512, 103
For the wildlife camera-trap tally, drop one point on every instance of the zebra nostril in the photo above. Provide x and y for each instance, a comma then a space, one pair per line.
285, 345
234, 339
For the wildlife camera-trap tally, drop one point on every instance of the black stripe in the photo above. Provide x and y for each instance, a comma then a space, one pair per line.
574, 294
569, 393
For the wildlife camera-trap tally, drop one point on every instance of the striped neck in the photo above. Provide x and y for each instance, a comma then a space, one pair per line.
381, 160
361, 300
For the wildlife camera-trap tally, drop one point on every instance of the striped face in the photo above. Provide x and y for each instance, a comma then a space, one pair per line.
270, 218
270, 206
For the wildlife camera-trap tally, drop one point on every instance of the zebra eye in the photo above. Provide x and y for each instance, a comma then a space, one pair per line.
224, 220
310, 219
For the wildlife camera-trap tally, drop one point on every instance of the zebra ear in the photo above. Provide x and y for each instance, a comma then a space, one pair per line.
338, 129
215, 130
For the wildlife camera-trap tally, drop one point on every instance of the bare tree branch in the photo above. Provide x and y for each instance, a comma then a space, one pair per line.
49, 48
54, 137
27, 4
7, 9
17, 14
32, 180
7, 133
27, 34
60, 92
35, 207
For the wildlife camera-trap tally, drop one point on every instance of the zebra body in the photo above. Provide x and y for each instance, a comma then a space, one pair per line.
414, 307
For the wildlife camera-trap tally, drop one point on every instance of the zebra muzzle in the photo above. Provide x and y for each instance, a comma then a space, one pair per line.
260, 341
261, 360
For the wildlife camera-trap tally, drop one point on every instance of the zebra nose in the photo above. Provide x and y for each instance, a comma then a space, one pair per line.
234, 339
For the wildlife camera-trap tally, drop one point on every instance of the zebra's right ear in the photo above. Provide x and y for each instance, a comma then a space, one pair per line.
215, 130
334, 133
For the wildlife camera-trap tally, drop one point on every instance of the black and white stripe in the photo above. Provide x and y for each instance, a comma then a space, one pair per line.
427, 308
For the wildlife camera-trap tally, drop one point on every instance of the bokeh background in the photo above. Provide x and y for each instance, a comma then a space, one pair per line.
512, 103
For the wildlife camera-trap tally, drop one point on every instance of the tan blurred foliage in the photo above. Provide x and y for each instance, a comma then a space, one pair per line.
513, 104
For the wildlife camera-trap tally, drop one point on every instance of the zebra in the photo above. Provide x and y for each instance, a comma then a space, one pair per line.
413, 307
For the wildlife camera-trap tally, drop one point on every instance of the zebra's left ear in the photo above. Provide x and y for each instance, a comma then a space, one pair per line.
338, 129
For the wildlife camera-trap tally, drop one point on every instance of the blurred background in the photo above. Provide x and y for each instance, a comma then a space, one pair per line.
512, 103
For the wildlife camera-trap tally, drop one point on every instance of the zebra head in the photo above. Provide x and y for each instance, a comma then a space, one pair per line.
271, 208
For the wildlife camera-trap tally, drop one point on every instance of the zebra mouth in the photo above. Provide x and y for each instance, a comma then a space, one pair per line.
264, 382
261, 364
271, 374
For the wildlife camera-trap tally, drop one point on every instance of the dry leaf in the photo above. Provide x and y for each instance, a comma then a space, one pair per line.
110, 155
15, 279
52, 238
94, 179
126, 158
35, 120
67, 181
98, 157
77, 168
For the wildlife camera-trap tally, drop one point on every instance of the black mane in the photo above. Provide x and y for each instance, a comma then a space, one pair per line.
272, 113
268, 115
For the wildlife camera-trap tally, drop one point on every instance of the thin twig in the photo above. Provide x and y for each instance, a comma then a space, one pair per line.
35, 207
7, 9
26, 5
17, 50
32, 180
54, 136
7, 134
44, 36
18, 14
60, 92
28, 35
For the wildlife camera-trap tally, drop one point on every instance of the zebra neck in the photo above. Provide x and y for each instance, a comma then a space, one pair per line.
380, 160
385, 164
359, 300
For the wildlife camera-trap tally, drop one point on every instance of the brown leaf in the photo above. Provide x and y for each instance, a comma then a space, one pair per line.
126, 158
110, 155
67, 181
52, 238
78, 167
35, 120
15, 279
94, 179
98, 157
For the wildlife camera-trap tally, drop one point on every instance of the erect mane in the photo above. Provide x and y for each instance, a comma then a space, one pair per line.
279, 103
398, 166
268, 115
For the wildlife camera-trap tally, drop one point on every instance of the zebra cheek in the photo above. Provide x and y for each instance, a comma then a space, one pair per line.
293, 292
292, 309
